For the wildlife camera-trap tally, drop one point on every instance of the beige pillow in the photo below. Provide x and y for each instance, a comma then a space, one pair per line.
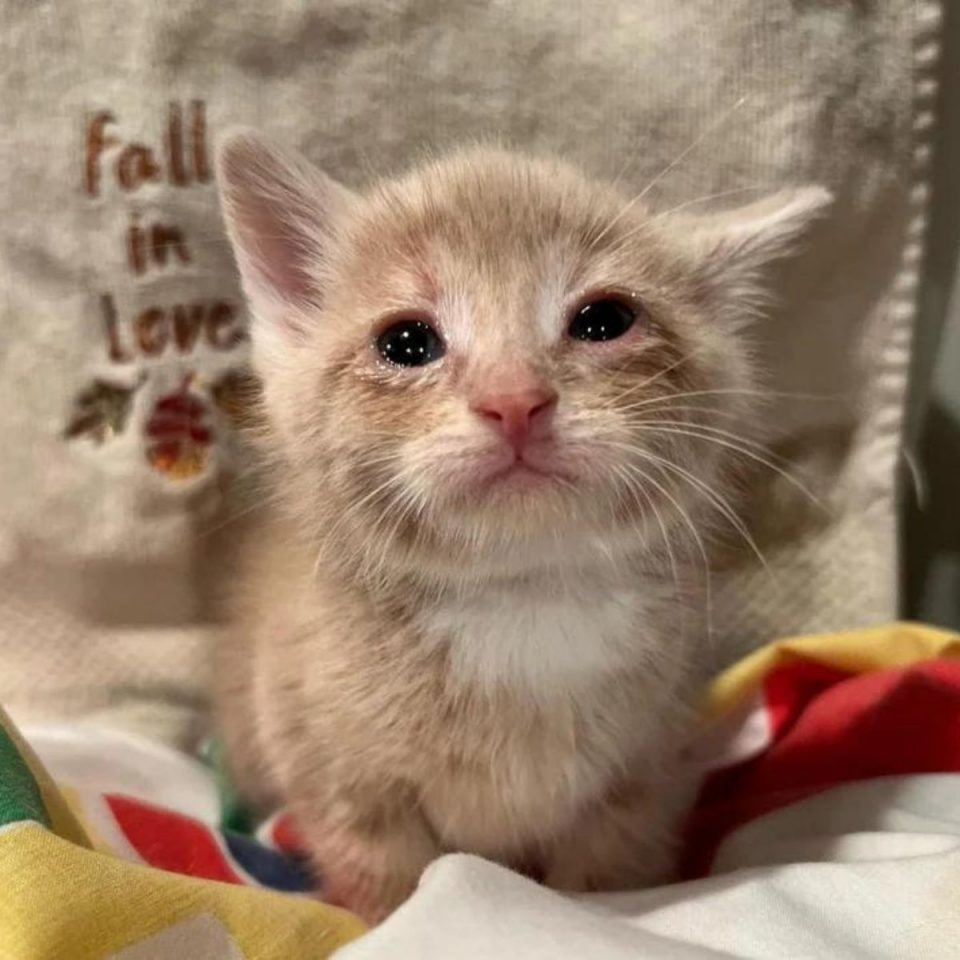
124, 328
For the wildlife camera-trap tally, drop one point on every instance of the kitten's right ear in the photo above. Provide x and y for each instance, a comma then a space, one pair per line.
281, 214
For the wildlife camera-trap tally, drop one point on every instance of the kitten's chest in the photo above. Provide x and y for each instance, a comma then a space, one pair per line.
549, 705
516, 772
544, 644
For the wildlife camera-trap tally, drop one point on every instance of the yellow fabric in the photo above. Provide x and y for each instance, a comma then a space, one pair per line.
63, 898
877, 648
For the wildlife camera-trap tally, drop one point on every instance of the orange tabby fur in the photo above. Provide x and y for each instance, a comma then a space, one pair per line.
424, 658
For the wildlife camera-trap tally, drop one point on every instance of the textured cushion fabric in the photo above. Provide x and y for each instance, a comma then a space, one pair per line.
124, 328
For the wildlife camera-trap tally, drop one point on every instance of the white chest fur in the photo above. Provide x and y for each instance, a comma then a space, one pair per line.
544, 642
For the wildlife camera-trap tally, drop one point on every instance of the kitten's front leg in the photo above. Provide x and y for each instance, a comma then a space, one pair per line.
627, 841
370, 852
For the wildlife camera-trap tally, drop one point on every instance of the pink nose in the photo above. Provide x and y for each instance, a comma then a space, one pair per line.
518, 416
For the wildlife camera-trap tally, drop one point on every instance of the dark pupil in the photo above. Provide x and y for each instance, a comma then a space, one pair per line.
602, 320
410, 343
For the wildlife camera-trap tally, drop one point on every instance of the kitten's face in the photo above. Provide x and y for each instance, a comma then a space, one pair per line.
492, 361
491, 355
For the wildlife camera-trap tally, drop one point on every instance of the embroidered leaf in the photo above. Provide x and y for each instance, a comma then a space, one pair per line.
101, 411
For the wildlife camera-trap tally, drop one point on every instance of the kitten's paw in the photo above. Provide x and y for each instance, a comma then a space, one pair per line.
573, 875
623, 844
371, 897
367, 873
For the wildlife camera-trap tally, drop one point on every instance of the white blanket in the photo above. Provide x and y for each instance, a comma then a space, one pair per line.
870, 870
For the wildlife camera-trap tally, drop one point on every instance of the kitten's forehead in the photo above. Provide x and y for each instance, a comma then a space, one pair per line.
486, 232
498, 203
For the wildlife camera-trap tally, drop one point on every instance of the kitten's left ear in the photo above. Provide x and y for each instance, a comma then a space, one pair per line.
734, 248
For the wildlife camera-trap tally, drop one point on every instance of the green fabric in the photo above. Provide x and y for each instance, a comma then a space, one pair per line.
20, 797
234, 815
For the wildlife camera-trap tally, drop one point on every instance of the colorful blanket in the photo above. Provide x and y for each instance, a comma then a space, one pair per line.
111, 873
110, 877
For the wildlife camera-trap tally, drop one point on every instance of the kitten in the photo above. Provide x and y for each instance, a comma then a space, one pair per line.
472, 619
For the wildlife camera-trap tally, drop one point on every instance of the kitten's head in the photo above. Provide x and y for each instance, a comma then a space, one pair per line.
492, 362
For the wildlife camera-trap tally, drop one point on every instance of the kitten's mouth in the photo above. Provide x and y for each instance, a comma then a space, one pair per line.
522, 475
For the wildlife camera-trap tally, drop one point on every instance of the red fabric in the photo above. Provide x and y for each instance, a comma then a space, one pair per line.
788, 691
170, 841
828, 729
284, 836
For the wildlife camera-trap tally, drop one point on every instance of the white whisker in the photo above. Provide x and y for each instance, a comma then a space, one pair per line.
698, 541
745, 451
756, 188
678, 159
719, 502
734, 392
707, 428
649, 381
658, 517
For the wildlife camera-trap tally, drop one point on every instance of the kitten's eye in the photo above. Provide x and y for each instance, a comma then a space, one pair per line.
410, 343
604, 319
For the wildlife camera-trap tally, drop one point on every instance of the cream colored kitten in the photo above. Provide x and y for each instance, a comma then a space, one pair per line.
493, 390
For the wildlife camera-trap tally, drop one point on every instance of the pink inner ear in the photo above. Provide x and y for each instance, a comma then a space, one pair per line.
273, 244
281, 263
277, 209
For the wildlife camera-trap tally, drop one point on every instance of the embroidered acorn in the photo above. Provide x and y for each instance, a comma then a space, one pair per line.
179, 437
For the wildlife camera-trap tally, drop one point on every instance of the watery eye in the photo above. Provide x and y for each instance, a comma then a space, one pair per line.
410, 343
604, 319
